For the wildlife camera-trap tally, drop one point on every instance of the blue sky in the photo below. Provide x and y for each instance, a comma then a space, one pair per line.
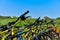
37, 8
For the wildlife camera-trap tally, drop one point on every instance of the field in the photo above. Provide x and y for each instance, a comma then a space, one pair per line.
21, 23
4, 21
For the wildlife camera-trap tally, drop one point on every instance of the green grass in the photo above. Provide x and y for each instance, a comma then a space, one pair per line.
27, 21
5, 21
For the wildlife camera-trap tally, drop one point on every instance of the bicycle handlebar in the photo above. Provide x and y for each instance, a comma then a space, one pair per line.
36, 22
22, 17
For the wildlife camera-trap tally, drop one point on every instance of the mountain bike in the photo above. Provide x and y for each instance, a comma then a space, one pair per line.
9, 25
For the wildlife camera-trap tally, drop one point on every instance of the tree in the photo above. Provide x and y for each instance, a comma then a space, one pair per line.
8, 17
58, 18
14, 17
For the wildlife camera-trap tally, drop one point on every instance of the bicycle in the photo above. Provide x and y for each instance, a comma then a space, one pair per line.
9, 25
